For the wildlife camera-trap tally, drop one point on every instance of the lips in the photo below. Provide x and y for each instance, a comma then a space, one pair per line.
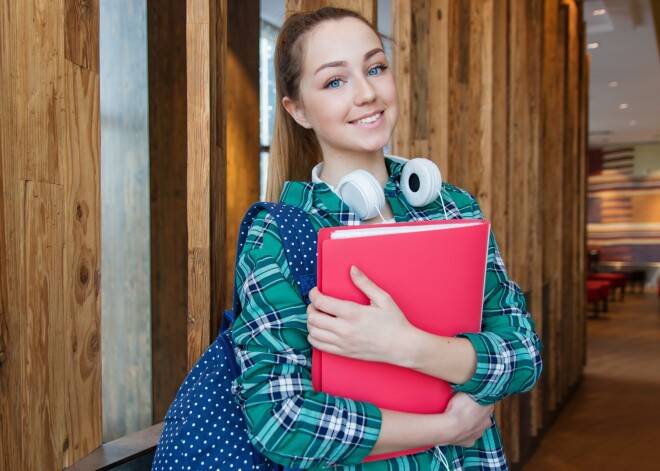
368, 119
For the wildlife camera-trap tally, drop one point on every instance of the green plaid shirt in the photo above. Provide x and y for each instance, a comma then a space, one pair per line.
300, 428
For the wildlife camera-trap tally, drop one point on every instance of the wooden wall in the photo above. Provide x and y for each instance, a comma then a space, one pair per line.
50, 267
495, 93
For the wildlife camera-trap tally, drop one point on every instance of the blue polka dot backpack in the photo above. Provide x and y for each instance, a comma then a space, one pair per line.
204, 428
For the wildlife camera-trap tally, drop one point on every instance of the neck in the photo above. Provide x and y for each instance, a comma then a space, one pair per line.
336, 167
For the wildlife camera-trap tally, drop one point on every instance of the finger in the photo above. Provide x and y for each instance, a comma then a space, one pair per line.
323, 336
334, 306
321, 320
370, 289
328, 347
314, 293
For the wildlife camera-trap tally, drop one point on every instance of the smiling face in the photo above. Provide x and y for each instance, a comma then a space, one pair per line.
347, 93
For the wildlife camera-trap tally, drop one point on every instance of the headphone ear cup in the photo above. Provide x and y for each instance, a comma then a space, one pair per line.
362, 193
420, 181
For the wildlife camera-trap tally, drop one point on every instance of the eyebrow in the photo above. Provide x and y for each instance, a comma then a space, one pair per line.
367, 56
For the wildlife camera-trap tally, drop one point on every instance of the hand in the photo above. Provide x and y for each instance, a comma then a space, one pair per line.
471, 419
372, 332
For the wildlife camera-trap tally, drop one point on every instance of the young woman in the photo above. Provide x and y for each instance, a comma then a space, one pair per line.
338, 106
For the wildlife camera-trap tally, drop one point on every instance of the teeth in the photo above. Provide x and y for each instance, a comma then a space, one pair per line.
368, 120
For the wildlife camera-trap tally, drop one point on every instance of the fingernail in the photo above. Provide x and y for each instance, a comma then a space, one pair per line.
355, 270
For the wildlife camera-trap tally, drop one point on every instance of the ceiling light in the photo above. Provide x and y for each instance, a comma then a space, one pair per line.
623, 106
599, 12
593, 46
633, 122
612, 84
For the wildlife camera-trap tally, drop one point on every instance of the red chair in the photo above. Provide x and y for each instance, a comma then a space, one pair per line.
598, 291
618, 280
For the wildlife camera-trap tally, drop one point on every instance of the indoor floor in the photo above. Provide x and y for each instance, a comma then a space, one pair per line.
613, 420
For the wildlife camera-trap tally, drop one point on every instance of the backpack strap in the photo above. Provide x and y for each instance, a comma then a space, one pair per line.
298, 240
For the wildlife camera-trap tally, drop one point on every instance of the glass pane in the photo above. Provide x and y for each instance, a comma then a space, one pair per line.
125, 244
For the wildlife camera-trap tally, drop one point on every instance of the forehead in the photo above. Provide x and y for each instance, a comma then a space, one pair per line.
343, 40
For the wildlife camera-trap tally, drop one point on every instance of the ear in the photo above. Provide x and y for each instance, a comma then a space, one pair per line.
297, 112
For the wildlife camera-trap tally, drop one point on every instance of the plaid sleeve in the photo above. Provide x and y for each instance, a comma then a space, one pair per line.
289, 422
508, 347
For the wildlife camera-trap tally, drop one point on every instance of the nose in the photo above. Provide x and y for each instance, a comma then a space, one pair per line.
364, 91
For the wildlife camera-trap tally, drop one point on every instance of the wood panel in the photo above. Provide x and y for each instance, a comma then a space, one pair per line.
368, 8
483, 89
50, 411
493, 199
583, 156
446, 68
166, 24
83, 259
572, 366
243, 142
524, 249
552, 174
206, 174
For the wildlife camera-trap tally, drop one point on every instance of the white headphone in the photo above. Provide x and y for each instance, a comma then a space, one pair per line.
420, 184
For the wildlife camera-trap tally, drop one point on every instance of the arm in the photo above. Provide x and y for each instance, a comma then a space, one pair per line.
463, 423
502, 359
349, 332
287, 420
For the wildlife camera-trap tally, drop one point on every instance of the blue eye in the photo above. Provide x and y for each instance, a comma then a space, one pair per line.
333, 83
376, 70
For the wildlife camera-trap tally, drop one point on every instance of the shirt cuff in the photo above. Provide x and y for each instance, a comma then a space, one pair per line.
371, 434
480, 386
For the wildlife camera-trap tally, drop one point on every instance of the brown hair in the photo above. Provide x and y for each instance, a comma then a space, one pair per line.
295, 149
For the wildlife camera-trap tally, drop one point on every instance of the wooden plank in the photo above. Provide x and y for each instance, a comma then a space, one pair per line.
82, 259
37, 109
487, 52
206, 58
494, 201
53, 413
524, 198
243, 140
552, 173
401, 14
367, 8
568, 308
572, 168
81, 33
221, 267
584, 173
45, 328
12, 348
198, 187
166, 24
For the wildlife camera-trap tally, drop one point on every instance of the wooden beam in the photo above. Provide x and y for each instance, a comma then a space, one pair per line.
168, 141
206, 59
243, 138
367, 8
50, 359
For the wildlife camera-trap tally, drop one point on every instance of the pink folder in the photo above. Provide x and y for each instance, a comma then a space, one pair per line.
436, 276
